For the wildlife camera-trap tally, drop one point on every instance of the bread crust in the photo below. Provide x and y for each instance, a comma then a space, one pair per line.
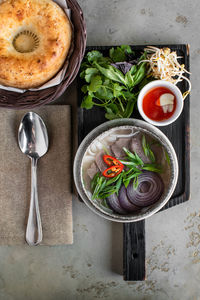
46, 20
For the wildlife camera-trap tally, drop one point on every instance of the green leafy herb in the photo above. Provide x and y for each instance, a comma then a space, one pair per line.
135, 183
153, 168
134, 158
167, 157
119, 54
118, 184
95, 83
94, 56
107, 86
87, 102
112, 73
147, 150
95, 180
89, 73
100, 184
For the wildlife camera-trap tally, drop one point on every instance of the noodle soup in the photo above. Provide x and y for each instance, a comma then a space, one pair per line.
129, 166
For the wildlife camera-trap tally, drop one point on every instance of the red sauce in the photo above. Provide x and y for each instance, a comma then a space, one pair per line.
153, 111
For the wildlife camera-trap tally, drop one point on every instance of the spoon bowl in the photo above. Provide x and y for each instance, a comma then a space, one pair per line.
32, 136
33, 141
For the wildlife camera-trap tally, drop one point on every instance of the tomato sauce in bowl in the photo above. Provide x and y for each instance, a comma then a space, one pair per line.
150, 107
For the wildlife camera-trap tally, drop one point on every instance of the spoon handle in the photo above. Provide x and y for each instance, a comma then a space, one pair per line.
34, 226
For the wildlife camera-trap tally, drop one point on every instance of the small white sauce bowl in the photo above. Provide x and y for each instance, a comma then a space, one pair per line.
173, 88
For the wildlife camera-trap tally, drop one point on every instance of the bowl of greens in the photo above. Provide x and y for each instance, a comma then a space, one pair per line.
125, 170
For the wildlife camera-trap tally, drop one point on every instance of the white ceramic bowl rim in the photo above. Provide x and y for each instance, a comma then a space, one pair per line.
117, 123
161, 83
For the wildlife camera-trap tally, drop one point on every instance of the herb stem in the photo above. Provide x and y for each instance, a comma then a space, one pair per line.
121, 105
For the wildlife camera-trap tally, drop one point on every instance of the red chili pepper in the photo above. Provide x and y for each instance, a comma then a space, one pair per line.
111, 161
113, 171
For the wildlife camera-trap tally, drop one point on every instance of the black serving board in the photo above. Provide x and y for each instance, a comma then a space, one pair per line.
178, 133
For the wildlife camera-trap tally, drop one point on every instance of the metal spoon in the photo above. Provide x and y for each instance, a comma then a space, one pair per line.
33, 141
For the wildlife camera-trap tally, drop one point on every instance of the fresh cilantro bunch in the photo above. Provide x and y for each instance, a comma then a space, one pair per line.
113, 82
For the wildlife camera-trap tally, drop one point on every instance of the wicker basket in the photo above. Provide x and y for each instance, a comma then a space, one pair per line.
29, 99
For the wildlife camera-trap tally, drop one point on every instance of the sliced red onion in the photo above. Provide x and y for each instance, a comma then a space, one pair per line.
124, 201
113, 201
150, 188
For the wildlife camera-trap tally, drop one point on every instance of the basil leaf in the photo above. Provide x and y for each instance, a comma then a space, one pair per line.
133, 69
129, 79
112, 73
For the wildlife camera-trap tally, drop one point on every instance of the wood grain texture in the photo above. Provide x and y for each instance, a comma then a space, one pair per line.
179, 135
134, 251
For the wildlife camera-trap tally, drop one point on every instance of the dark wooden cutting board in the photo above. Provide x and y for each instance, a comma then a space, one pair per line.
178, 133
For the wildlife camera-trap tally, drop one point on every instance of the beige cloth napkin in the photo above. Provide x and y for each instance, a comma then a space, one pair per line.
54, 178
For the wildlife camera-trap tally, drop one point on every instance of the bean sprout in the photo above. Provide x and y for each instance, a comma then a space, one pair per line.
164, 65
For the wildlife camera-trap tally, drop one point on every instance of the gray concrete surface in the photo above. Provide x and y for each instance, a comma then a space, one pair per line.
89, 269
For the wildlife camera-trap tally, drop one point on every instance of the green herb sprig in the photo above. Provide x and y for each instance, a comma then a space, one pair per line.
108, 87
147, 150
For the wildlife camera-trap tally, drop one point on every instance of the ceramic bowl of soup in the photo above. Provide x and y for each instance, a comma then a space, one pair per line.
125, 170
160, 102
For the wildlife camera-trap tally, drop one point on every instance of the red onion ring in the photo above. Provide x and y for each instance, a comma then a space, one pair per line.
113, 201
150, 188
124, 201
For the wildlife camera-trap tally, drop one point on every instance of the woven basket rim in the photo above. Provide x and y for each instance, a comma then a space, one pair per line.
31, 99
